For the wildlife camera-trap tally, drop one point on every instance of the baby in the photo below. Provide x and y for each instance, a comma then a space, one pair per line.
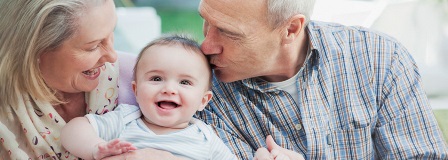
172, 81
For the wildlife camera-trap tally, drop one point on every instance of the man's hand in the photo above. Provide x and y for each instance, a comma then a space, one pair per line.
276, 152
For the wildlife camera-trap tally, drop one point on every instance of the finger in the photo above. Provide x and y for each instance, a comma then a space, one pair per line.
271, 143
131, 148
124, 144
273, 146
128, 149
113, 143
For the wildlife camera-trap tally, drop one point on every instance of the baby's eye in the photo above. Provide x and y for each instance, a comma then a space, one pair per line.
156, 78
185, 82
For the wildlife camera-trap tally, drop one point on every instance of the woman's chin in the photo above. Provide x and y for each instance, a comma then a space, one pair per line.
88, 86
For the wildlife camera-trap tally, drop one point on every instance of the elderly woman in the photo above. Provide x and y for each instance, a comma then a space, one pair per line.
56, 63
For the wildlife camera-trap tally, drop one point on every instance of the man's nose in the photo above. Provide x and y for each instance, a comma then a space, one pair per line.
211, 44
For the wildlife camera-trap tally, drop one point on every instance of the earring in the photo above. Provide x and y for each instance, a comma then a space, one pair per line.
38, 61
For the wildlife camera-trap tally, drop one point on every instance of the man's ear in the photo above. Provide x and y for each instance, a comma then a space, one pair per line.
205, 99
294, 26
134, 87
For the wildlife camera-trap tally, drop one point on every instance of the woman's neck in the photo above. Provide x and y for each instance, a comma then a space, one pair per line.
74, 106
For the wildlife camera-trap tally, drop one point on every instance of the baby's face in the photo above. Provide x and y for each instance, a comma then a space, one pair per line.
171, 85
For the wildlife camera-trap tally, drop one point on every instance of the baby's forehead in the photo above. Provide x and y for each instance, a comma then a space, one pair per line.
173, 54
194, 52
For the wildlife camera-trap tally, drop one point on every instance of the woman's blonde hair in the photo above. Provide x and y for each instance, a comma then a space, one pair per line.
29, 28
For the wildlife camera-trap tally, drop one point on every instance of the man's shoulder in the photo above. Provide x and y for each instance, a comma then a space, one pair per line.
319, 27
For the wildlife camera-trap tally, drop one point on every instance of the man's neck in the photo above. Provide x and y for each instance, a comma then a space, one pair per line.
294, 58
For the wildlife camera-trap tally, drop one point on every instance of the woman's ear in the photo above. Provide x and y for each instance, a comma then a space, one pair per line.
205, 99
294, 27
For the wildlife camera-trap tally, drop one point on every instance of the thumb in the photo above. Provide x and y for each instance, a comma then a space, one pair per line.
271, 143
273, 146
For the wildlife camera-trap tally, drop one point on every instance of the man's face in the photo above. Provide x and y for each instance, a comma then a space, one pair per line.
238, 39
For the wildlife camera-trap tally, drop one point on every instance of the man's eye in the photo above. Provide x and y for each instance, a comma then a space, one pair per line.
185, 82
233, 37
156, 78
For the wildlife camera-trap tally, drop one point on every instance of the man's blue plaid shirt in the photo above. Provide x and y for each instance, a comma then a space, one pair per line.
360, 97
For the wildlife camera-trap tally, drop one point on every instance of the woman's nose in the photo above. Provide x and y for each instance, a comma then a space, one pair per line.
109, 54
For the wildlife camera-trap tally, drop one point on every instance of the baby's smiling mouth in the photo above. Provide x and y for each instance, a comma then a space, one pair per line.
167, 105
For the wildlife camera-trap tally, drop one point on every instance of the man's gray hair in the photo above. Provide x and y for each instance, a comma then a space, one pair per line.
281, 10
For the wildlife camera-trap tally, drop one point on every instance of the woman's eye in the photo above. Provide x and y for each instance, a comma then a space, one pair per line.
156, 79
185, 82
94, 48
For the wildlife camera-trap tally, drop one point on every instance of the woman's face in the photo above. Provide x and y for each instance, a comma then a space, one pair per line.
75, 66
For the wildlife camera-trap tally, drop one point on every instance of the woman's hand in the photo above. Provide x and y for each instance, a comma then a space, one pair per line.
147, 154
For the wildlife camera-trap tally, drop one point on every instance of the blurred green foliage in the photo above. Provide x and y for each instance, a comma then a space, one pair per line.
442, 119
181, 21
173, 20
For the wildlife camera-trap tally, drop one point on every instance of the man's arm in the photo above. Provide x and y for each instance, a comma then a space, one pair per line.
406, 127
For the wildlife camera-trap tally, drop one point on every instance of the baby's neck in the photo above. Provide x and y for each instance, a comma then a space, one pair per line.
160, 130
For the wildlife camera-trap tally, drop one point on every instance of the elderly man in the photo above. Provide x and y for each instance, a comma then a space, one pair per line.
321, 90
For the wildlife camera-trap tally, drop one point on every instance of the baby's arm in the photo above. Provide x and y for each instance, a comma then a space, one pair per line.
80, 139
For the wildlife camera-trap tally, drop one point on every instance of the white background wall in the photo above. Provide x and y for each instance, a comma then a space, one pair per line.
420, 25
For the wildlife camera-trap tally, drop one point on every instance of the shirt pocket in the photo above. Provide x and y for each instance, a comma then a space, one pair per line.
352, 143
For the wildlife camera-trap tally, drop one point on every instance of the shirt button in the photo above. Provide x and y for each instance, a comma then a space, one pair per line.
298, 127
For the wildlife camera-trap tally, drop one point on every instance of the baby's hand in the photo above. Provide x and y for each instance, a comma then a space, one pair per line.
113, 147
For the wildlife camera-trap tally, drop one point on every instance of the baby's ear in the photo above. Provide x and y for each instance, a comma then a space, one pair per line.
205, 99
134, 87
